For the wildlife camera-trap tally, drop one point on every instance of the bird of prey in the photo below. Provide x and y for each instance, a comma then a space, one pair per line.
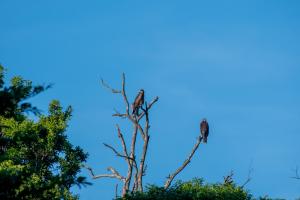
204, 128
138, 102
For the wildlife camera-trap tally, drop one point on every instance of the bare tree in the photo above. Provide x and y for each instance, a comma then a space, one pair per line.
136, 168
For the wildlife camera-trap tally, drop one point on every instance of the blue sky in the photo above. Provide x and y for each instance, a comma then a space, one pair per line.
234, 62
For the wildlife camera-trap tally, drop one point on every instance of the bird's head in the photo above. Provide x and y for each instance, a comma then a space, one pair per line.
141, 91
204, 120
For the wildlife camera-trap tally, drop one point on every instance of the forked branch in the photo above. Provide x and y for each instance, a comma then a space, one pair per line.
228, 180
110, 88
114, 173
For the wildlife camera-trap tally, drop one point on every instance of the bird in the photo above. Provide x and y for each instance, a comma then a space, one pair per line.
204, 129
138, 102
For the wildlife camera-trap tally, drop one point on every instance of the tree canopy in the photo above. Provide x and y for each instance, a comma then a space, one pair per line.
37, 161
192, 190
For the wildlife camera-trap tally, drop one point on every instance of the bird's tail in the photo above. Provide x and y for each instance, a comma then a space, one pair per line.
135, 111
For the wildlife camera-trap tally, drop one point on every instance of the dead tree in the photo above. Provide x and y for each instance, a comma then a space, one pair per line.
135, 167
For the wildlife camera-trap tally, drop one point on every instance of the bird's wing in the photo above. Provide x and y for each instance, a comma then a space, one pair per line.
137, 100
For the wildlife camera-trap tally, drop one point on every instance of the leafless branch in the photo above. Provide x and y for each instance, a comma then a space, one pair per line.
146, 138
228, 179
297, 176
144, 171
118, 114
116, 152
110, 88
124, 95
129, 156
142, 162
132, 155
185, 163
115, 173
141, 130
248, 177
116, 191
120, 135
148, 108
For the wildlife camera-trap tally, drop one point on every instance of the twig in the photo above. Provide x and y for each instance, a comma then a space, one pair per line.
116, 152
115, 173
124, 95
144, 171
149, 106
116, 191
118, 114
228, 180
185, 163
132, 155
141, 131
297, 176
248, 177
110, 88
120, 135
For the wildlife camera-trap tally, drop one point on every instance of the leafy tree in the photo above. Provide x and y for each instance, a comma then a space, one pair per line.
192, 190
36, 159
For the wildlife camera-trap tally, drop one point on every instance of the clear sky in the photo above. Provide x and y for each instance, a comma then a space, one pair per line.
237, 63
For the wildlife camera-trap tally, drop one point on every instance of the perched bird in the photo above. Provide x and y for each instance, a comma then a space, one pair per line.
204, 128
138, 102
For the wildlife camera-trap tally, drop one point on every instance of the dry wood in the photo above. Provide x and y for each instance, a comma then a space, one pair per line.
297, 176
114, 173
185, 163
133, 169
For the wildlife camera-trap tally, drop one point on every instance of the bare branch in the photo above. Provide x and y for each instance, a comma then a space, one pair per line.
146, 138
110, 88
133, 170
185, 163
120, 135
124, 95
131, 160
117, 153
115, 173
228, 180
119, 115
297, 176
142, 162
144, 171
141, 131
132, 155
248, 177
148, 108
116, 191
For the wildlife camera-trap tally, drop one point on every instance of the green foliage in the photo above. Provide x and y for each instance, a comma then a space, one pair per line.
12, 103
192, 190
36, 159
